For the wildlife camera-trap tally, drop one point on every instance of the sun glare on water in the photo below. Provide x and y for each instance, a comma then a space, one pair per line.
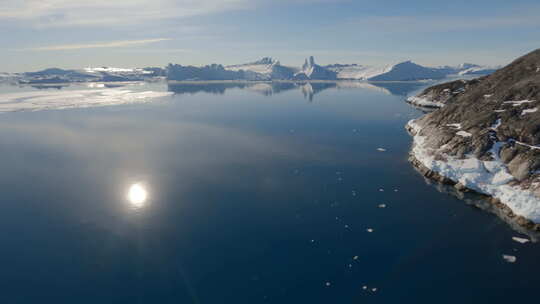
137, 195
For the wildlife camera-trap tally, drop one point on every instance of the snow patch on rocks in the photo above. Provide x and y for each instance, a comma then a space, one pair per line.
528, 111
424, 102
488, 177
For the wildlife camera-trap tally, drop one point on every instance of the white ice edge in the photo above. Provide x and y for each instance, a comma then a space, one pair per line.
69, 99
487, 177
424, 102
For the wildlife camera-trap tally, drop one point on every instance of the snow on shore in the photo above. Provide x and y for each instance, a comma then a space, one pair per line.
488, 177
424, 102
68, 99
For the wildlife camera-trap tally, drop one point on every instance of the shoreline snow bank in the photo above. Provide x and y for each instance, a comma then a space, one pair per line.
69, 99
424, 102
487, 177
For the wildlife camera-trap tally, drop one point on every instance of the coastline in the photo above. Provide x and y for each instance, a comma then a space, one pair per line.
489, 179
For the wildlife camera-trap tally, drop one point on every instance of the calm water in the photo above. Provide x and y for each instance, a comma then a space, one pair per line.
257, 194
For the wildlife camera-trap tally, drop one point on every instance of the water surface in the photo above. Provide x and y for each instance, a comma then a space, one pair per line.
257, 193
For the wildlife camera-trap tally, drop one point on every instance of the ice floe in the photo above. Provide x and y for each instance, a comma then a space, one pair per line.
520, 240
69, 99
509, 258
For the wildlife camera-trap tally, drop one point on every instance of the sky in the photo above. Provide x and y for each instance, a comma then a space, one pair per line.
38, 34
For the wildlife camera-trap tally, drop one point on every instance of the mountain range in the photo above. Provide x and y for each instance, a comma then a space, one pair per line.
270, 69
265, 69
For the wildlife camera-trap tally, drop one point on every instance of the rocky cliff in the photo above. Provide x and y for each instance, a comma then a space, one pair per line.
486, 137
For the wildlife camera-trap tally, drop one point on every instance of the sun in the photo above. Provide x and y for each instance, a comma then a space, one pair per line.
137, 195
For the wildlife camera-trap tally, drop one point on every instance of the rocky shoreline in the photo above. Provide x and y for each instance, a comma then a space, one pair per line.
485, 137
503, 210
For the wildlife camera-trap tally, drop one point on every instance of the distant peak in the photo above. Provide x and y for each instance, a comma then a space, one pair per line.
408, 62
309, 62
265, 60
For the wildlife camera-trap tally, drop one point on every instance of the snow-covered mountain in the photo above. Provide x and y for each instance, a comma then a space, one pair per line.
209, 72
467, 69
266, 68
263, 66
356, 71
404, 71
101, 74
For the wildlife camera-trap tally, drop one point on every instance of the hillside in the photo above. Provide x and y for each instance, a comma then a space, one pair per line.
486, 137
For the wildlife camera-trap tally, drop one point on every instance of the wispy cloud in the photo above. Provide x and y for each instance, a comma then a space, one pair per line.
427, 24
58, 13
110, 44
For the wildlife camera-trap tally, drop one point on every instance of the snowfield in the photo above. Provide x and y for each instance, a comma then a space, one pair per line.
56, 100
359, 72
487, 177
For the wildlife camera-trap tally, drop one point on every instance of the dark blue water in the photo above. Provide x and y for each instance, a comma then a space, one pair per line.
256, 194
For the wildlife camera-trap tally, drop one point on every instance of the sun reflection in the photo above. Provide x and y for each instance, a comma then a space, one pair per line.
137, 195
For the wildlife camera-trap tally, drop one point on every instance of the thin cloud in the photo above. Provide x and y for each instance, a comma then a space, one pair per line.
427, 24
111, 44
62, 13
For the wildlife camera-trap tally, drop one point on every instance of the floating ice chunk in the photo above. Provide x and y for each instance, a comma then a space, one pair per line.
369, 230
364, 287
328, 284
509, 258
95, 85
381, 149
464, 134
520, 240
529, 111
381, 190
374, 289
382, 206
355, 257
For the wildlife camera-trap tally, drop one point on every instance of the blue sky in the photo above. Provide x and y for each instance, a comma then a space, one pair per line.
126, 33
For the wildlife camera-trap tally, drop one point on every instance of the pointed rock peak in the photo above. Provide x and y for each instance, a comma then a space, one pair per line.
308, 63
265, 60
